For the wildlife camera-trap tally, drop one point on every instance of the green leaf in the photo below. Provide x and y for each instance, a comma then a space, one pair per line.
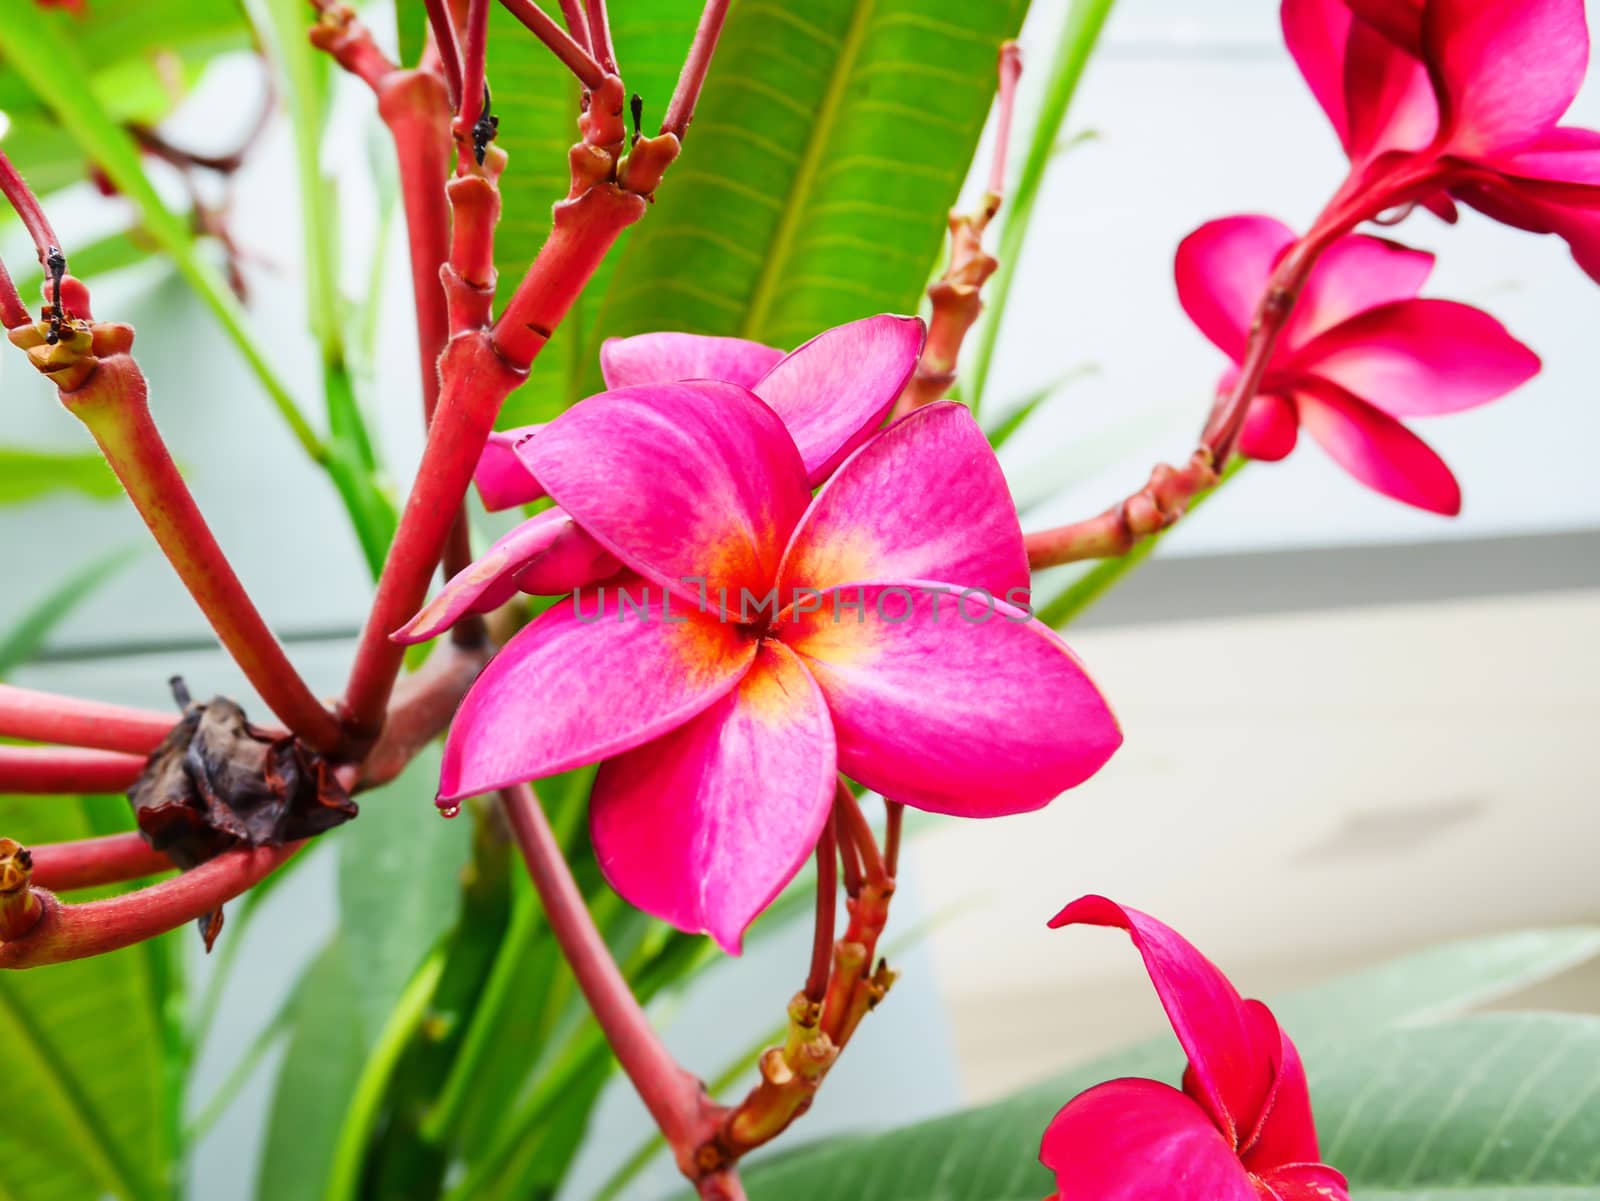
990, 1153
399, 869
829, 144
23, 641
1495, 1107
325, 1056
1018, 412
47, 56
133, 48
85, 1046
28, 474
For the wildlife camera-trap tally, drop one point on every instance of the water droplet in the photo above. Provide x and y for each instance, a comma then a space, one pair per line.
449, 811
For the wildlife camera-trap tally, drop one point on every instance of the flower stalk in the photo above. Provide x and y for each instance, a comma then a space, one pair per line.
103, 387
57, 770
67, 721
680, 109
675, 1098
90, 862
66, 932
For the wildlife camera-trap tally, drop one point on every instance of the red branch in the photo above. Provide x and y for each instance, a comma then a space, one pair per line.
600, 35
67, 932
956, 297
577, 23
447, 48
53, 769
67, 721
827, 907
675, 1098
680, 110
103, 387
21, 198
573, 54
474, 65
13, 312
88, 862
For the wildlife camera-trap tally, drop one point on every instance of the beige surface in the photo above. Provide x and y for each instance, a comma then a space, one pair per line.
1297, 795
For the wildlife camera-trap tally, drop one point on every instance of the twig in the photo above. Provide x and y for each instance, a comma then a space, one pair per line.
600, 35
572, 53
956, 297
103, 387
89, 862
67, 721
827, 904
674, 1097
67, 932
54, 769
680, 109
447, 48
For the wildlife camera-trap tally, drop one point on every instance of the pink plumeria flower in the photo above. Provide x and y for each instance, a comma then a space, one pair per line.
1477, 86
1241, 1128
768, 640
831, 394
1359, 351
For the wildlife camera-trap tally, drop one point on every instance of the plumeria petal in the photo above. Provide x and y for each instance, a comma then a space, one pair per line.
1377, 449
705, 826
1222, 269
1230, 1060
1505, 72
666, 358
1271, 428
1306, 1182
1422, 357
1316, 32
591, 677
696, 486
1353, 275
503, 482
1285, 1132
1389, 95
547, 546
924, 500
1377, 96
1398, 20
955, 704
837, 388
1137, 1140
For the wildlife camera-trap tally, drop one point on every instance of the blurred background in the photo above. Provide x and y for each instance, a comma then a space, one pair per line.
1352, 728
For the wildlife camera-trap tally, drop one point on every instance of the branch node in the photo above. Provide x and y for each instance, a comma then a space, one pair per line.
20, 906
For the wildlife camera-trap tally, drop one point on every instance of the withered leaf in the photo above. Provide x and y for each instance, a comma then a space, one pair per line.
216, 782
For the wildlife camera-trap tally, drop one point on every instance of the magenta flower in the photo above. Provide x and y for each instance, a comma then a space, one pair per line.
766, 640
1240, 1129
831, 393
1476, 88
1359, 351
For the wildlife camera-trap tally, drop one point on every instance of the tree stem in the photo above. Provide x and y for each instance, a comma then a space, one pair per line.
675, 1098
68, 721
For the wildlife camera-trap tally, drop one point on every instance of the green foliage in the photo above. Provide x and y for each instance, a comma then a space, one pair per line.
28, 474
326, 1051
47, 57
25, 639
87, 1048
1462, 1109
828, 146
